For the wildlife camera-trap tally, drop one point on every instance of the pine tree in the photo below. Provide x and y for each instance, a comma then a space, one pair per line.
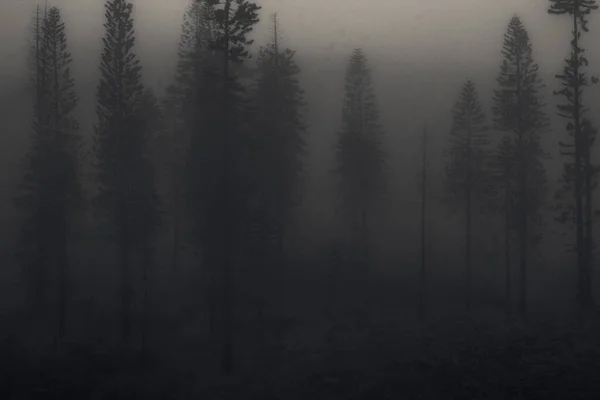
127, 198
149, 207
465, 175
502, 173
282, 103
33, 252
197, 91
360, 157
51, 191
278, 163
181, 107
518, 108
218, 151
579, 173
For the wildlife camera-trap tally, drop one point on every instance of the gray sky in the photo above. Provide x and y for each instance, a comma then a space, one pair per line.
455, 31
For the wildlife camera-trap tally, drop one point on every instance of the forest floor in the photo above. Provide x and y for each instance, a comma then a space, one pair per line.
338, 353
450, 359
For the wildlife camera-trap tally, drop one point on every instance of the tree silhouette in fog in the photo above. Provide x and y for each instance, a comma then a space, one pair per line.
518, 108
579, 173
50, 187
278, 162
126, 198
465, 174
218, 149
360, 157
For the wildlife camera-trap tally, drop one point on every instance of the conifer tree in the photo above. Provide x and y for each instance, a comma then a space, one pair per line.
278, 161
465, 175
282, 104
194, 102
50, 190
126, 193
183, 106
33, 251
360, 157
218, 149
502, 173
579, 173
518, 108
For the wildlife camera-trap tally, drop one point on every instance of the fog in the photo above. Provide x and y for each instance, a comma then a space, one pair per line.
326, 321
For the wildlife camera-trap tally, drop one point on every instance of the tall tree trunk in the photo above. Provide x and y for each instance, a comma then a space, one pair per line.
227, 356
39, 273
210, 262
124, 266
147, 260
581, 253
468, 267
468, 212
176, 211
63, 265
59, 200
524, 239
422, 281
589, 224
367, 271
523, 195
507, 283
364, 229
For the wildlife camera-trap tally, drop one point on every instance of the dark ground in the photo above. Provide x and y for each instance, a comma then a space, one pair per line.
378, 355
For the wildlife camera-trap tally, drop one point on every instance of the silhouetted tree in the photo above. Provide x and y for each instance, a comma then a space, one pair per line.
360, 157
183, 107
518, 108
33, 249
126, 193
149, 208
51, 192
502, 174
579, 173
217, 151
465, 173
278, 163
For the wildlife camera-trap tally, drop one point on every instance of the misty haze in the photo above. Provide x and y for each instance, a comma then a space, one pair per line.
299, 199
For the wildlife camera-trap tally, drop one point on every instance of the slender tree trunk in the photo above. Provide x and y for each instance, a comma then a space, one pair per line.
468, 304
63, 264
39, 279
588, 225
422, 281
260, 255
148, 256
364, 228
59, 199
523, 196
367, 272
507, 285
468, 212
39, 273
524, 236
124, 264
211, 294
581, 253
176, 211
227, 356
